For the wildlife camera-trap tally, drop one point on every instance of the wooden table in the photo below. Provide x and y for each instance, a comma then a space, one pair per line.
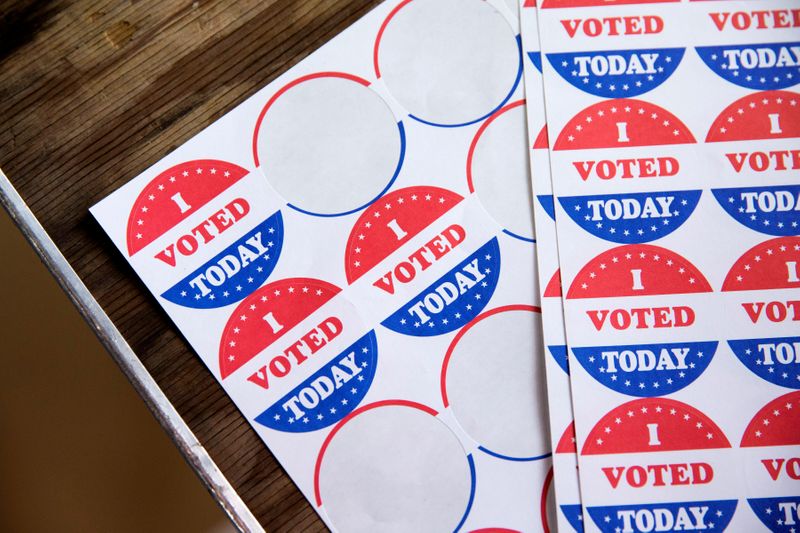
93, 92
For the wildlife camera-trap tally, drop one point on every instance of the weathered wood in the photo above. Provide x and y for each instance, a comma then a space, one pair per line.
94, 91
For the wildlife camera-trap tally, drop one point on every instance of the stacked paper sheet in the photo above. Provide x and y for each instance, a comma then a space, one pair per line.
352, 253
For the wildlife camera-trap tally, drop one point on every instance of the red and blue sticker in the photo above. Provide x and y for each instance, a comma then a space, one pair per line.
657, 425
261, 322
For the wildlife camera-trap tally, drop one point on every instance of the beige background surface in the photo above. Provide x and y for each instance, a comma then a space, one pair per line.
79, 451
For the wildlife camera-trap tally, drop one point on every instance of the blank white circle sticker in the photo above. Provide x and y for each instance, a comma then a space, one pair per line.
395, 468
448, 62
495, 382
328, 144
499, 172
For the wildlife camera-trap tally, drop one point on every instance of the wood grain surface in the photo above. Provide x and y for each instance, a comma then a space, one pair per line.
94, 92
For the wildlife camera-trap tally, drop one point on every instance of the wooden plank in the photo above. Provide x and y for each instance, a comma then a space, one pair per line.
92, 92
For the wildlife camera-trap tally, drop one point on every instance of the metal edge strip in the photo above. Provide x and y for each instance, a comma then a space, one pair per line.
166, 414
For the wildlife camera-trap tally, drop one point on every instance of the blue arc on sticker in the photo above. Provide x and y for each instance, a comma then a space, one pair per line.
235, 272
471, 500
453, 300
771, 210
490, 113
647, 370
779, 515
559, 353
617, 73
631, 218
764, 67
668, 516
546, 200
330, 394
776, 360
511, 458
574, 515
400, 160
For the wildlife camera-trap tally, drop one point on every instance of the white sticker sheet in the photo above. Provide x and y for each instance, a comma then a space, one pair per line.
350, 251
566, 505
674, 161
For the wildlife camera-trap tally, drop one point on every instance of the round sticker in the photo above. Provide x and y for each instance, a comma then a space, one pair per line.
497, 170
446, 70
393, 466
493, 380
328, 144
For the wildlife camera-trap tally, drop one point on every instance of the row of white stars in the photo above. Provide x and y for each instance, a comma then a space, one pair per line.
627, 109
642, 255
752, 105
686, 417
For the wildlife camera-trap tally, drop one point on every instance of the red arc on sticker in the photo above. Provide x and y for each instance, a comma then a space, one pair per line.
622, 123
653, 425
637, 270
763, 115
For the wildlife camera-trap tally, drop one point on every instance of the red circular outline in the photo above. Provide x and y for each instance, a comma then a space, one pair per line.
481, 130
543, 504
343, 421
301, 79
378, 38
463, 331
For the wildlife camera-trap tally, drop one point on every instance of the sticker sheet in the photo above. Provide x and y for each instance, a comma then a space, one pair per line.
350, 251
674, 163
566, 492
